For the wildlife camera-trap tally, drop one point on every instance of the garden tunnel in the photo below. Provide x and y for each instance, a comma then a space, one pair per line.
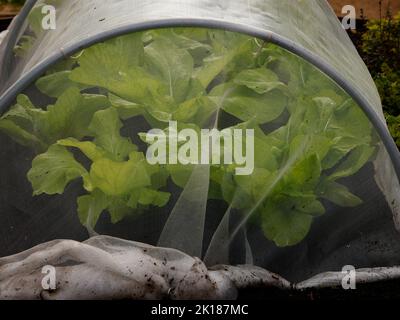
78, 102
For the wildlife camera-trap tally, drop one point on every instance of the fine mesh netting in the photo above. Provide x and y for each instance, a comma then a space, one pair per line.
223, 145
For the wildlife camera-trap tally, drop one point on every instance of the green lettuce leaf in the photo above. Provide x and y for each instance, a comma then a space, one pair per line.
53, 170
260, 80
106, 127
119, 178
285, 228
339, 194
246, 105
173, 66
91, 206
55, 84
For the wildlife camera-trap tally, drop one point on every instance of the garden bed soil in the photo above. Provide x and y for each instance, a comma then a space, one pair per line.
381, 290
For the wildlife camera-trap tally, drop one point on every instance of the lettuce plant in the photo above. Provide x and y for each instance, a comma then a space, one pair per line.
309, 135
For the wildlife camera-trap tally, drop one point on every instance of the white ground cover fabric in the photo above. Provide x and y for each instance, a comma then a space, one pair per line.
110, 268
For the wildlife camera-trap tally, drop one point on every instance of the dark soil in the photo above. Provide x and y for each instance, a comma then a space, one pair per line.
4, 23
373, 291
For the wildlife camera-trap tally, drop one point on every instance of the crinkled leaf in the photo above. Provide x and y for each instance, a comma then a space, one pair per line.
119, 178
105, 127
53, 170
89, 149
19, 123
121, 70
153, 197
70, 116
55, 84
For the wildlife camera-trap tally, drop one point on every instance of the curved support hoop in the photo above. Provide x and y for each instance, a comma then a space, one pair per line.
9, 96
13, 35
